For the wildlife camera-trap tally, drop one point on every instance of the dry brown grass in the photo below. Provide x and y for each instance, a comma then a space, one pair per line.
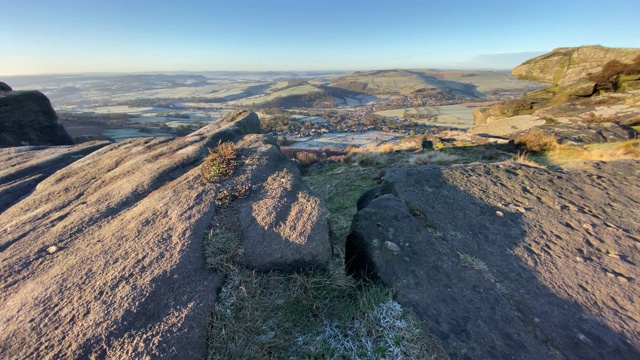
566, 154
523, 158
537, 141
625, 150
433, 157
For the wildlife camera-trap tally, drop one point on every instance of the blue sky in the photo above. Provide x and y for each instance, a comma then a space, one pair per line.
71, 36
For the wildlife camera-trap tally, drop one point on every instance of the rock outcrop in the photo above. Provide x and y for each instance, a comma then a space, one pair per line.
567, 65
27, 118
104, 258
510, 261
4, 87
583, 99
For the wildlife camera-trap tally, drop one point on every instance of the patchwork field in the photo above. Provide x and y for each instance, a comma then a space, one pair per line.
458, 116
260, 99
341, 140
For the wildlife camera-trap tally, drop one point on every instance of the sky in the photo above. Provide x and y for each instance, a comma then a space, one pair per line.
77, 36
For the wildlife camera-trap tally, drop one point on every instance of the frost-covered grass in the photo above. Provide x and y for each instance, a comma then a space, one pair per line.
323, 314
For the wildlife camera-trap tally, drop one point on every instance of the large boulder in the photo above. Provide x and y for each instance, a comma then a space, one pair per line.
4, 87
510, 261
566, 65
104, 258
281, 225
27, 118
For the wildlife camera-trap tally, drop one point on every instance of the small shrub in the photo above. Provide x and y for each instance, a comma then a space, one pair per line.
608, 78
367, 158
220, 163
537, 141
591, 118
232, 193
306, 158
523, 158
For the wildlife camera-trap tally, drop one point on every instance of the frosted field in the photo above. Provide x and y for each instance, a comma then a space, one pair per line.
122, 134
128, 110
312, 119
212, 91
342, 140
296, 90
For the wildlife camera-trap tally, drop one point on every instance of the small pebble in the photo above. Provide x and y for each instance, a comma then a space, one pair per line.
579, 258
52, 249
392, 247
585, 339
623, 279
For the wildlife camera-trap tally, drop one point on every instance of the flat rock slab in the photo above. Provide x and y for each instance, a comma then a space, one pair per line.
25, 166
510, 261
104, 258
507, 126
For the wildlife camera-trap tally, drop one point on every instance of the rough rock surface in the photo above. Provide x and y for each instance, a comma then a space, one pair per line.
27, 118
567, 65
578, 134
510, 261
508, 126
280, 224
24, 167
104, 258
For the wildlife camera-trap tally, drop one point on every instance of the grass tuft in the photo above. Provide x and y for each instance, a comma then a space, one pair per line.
523, 158
220, 163
433, 157
537, 141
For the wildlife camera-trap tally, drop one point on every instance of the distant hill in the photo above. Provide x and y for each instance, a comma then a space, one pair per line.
465, 84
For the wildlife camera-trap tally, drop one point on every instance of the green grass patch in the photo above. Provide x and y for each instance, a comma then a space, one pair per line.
340, 185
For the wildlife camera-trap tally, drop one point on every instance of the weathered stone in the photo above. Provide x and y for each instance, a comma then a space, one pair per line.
507, 126
586, 133
129, 279
503, 110
509, 286
282, 225
580, 88
571, 64
27, 118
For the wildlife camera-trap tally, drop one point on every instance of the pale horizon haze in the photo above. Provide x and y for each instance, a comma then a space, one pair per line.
73, 36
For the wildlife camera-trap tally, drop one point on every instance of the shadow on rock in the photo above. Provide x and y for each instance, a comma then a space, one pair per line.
495, 259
